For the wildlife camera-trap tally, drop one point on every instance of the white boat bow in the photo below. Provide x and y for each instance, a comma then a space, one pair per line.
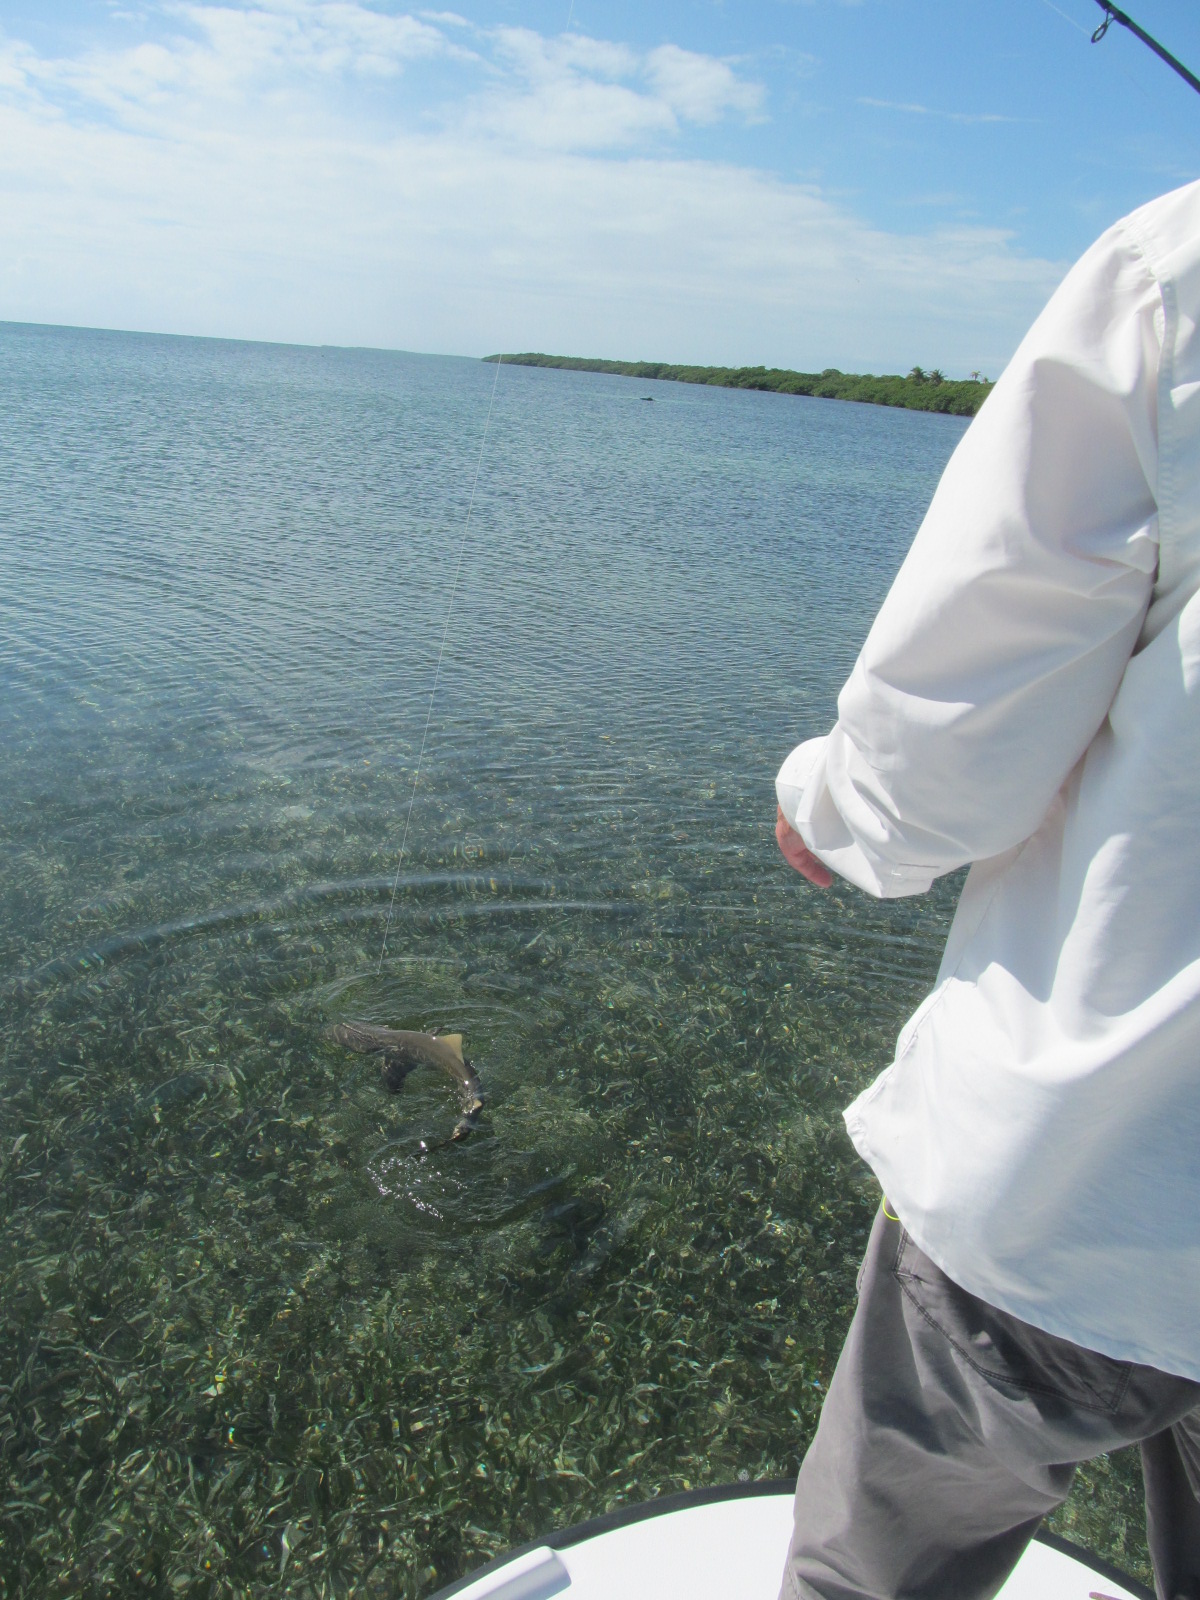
729, 1544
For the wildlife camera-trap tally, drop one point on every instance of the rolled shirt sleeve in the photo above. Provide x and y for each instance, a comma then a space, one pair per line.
996, 655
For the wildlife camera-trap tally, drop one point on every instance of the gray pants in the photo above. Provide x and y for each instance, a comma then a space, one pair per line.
951, 1429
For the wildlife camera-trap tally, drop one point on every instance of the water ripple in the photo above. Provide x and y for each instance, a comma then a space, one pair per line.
250, 1335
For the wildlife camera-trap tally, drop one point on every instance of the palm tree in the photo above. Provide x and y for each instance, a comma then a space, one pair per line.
936, 376
917, 375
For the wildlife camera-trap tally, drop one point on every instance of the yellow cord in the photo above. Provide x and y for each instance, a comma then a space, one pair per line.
890, 1215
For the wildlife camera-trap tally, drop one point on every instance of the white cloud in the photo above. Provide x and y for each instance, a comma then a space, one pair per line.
220, 179
220, 54
700, 88
16, 62
541, 59
335, 36
575, 93
566, 94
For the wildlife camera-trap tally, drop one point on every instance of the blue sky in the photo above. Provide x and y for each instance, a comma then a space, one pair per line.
861, 183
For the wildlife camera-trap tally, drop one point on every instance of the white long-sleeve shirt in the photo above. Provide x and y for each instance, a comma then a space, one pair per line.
1028, 700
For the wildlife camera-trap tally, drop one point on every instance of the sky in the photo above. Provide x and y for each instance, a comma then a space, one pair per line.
867, 184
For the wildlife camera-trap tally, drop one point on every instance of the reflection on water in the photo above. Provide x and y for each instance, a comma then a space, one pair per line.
255, 1340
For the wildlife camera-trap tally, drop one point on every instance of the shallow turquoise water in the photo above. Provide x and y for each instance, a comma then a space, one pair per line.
252, 1342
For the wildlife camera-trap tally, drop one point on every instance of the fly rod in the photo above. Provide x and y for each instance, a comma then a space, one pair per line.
1115, 14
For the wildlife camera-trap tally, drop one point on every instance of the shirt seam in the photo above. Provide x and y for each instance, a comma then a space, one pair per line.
1163, 487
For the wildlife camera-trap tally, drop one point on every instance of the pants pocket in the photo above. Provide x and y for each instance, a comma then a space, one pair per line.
1004, 1350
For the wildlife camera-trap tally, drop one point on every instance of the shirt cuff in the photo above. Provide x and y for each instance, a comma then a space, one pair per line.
793, 777
806, 799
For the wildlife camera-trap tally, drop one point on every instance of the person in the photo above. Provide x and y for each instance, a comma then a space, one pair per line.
1028, 702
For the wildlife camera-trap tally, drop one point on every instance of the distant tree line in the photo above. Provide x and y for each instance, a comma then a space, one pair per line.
918, 390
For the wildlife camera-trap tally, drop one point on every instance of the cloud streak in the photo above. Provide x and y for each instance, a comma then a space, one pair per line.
913, 110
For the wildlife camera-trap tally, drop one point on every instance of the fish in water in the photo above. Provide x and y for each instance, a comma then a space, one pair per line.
402, 1049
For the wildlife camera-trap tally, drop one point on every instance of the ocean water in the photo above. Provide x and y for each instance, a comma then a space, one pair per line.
253, 1341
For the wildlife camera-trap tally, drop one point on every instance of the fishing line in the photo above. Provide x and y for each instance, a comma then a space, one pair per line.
1078, 26
387, 927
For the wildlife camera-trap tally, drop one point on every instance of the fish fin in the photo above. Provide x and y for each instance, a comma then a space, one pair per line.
454, 1040
393, 1070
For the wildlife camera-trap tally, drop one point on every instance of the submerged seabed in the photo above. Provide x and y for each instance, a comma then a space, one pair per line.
251, 1341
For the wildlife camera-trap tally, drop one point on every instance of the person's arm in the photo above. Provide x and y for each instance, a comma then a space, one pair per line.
996, 655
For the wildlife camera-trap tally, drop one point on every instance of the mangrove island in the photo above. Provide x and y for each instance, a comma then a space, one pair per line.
918, 390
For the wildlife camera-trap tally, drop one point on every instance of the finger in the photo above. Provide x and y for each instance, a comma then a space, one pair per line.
815, 871
798, 856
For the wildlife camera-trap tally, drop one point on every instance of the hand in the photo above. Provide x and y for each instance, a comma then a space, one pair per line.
797, 854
